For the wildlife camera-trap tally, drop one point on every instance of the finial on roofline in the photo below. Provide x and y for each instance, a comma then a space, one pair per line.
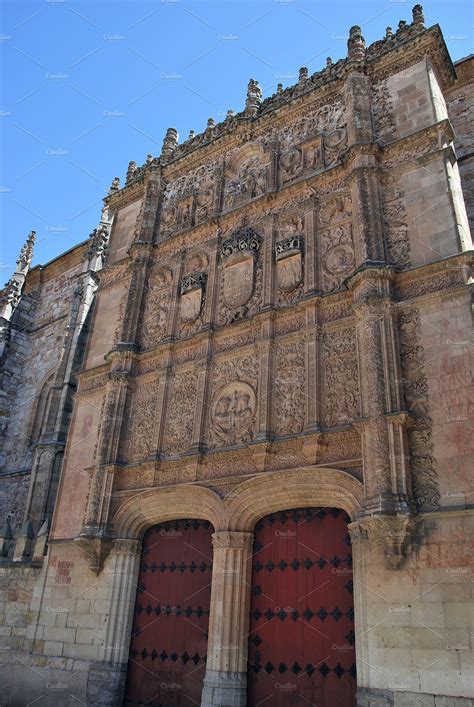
356, 44
254, 97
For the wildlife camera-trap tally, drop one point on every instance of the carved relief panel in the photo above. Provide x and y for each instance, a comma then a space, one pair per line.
188, 200
335, 246
395, 221
136, 445
233, 401
289, 251
420, 432
192, 293
341, 377
289, 388
246, 176
157, 307
241, 276
313, 142
180, 411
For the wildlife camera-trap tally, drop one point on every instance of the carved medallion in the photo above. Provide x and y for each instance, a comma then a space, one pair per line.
233, 412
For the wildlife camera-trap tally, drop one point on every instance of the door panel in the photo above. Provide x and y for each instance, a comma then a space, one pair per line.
169, 633
301, 647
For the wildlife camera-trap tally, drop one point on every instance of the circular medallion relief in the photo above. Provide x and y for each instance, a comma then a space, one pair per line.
339, 260
233, 411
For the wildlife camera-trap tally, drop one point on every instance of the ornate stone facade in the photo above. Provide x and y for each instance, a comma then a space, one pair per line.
278, 323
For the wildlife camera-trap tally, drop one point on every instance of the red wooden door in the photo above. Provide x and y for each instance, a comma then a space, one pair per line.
169, 632
301, 645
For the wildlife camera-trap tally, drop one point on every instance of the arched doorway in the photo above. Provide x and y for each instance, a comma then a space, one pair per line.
301, 639
170, 623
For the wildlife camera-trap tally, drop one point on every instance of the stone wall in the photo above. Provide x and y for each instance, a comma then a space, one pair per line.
38, 334
281, 322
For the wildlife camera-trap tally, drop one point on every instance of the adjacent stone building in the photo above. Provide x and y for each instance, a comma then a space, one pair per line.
236, 420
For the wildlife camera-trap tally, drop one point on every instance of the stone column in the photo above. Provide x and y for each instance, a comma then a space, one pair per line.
225, 682
384, 444
106, 679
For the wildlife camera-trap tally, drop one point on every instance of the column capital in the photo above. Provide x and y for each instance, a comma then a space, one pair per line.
232, 539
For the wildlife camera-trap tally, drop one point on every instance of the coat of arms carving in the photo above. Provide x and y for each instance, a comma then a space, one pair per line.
192, 295
239, 254
289, 263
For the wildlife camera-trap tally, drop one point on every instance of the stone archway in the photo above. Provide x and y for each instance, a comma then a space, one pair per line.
106, 681
226, 674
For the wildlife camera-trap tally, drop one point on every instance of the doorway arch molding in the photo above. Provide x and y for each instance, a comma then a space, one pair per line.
244, 505
303, 487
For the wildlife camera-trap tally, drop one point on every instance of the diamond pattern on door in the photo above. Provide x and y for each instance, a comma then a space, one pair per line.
301, 646
170, 621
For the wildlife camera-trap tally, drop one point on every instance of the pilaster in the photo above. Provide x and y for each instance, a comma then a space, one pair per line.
225, 682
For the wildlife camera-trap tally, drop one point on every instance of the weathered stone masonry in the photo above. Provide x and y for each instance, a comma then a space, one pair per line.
280, 320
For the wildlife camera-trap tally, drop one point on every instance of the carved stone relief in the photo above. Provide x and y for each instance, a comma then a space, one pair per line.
247, 177
188, 199
336, 247
289, 251
180, 412
289, 388
158, 297
420, 432
341, 377
233, 404
395, 220
241, 276
136, 444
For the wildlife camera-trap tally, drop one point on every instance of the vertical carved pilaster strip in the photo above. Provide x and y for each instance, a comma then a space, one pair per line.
225, 682
209, 316
173, 315
358, 109
310, 284
368, 232
265, 353
313, 369
384, 441
201, 406
158, 431
268, 269
274, 149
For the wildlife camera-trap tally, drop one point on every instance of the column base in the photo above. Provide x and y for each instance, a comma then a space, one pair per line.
106, 684
374, 697
222, 689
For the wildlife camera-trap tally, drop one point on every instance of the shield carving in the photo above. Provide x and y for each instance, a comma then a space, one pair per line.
191, 303
192, 288
239, 282
290, 272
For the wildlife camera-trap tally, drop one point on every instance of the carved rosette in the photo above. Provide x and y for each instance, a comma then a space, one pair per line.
289, 388
158, 299
241, 276
233, 406
336, 248
420, 431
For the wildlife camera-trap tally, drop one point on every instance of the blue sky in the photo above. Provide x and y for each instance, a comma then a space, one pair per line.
88, 86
